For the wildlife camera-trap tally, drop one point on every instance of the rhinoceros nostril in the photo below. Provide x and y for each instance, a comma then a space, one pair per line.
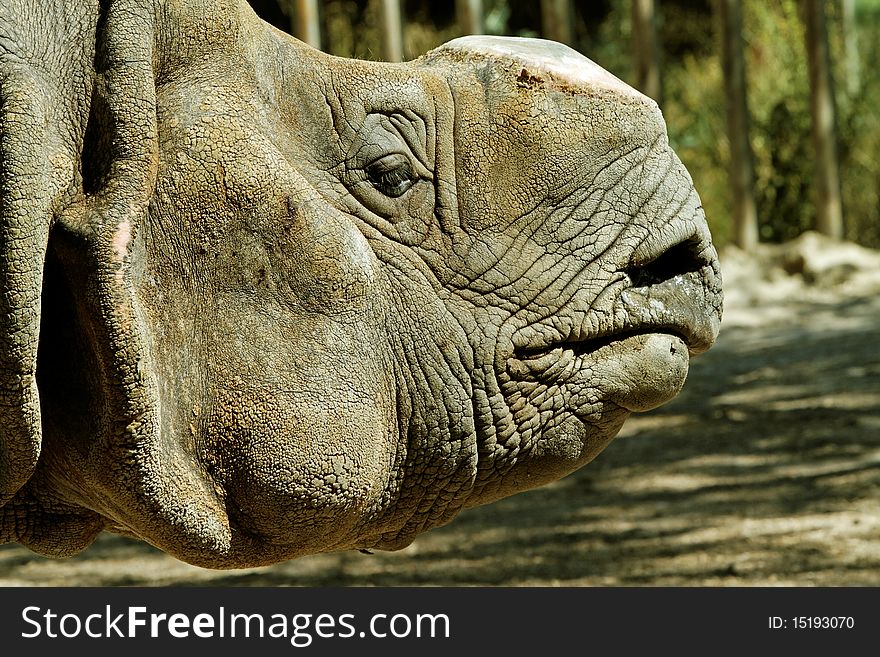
683, 258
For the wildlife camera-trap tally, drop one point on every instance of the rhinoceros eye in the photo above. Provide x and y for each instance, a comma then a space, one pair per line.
391, 174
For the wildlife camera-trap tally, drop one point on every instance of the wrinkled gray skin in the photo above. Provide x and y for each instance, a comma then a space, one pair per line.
259, 302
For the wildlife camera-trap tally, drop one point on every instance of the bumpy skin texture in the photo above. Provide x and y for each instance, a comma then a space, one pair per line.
276, 302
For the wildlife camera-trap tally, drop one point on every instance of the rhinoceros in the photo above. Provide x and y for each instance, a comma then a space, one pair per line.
259, 302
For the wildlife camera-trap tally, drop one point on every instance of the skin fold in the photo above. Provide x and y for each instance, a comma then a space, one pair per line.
261, 302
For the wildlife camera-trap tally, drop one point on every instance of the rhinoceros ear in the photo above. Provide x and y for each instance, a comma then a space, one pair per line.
25, 213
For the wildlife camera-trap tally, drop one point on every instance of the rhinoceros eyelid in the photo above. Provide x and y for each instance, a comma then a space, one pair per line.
391, 174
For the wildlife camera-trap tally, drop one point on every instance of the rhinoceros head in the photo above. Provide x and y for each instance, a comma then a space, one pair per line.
293, 303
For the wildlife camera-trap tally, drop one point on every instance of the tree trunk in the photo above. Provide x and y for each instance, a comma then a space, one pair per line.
305, 22
392, 31
829, 211
647, 52
470, 16
742, 176
851, 48
556, 18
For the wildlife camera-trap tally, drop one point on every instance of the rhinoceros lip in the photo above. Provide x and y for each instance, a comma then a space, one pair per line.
533, 362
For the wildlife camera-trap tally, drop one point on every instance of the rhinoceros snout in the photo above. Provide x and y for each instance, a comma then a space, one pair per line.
603, 253
679, 290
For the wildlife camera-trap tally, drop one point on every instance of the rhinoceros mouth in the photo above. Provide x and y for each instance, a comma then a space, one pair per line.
556, 359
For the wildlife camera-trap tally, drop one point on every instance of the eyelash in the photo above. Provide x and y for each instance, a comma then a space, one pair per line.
392, 174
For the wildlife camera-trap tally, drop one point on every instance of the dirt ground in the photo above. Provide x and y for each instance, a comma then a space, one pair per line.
764, 471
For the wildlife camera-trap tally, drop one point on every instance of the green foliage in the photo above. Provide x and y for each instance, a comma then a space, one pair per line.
341, 17
778, 97
859, 126
695, 114
779, 104
354, 28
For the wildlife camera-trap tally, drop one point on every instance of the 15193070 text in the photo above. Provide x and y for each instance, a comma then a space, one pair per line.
811, 623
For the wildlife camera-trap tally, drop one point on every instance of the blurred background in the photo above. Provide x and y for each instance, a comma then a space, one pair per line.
774, 106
